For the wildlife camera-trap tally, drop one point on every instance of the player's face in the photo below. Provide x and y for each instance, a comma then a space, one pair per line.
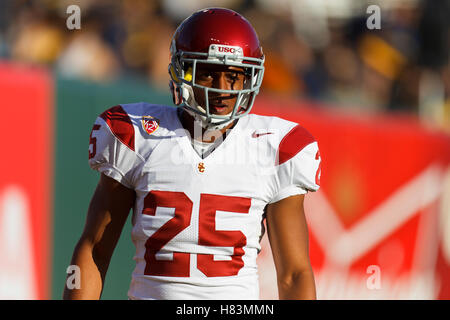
218, 77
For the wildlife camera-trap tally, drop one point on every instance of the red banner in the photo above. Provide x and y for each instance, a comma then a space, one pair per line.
25, 182
380, 224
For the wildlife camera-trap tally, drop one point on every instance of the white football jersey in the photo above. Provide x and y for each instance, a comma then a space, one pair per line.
197, 221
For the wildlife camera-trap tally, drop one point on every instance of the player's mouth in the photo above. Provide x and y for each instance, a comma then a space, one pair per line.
218, 108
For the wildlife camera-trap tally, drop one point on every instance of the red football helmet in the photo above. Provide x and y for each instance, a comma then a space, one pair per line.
215, 36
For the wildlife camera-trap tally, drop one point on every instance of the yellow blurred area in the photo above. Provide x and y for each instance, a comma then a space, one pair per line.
279, 77
382, 57
39, 43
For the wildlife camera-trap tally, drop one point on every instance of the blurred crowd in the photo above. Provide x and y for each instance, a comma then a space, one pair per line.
315, 49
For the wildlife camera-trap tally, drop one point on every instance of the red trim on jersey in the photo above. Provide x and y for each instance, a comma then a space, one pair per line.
293, 142
120, 124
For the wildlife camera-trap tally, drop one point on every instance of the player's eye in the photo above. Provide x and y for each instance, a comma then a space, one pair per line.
232, 76
204, 75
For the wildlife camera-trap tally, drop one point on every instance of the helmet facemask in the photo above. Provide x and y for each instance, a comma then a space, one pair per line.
183, 70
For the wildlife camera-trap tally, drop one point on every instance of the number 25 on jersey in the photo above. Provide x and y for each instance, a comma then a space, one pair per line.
179, 266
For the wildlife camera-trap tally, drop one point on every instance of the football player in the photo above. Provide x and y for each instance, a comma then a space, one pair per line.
201, 178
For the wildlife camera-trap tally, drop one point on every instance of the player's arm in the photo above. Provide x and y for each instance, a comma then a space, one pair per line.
107, 214
288, 236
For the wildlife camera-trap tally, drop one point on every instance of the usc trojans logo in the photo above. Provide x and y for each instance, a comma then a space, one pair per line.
150, 124
201, 167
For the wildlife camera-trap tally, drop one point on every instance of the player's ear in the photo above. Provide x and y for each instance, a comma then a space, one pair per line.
176, 96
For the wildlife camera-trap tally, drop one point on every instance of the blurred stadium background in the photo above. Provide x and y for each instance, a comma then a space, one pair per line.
378, 101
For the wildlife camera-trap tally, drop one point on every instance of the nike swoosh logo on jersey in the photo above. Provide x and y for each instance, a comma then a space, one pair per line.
257, 135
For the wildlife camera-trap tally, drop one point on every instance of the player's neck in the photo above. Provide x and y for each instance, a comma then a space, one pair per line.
199, 133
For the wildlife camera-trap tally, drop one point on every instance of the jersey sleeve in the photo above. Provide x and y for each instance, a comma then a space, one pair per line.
297, 164
112, 146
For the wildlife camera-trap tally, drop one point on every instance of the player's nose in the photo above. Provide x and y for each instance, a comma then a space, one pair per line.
220, 81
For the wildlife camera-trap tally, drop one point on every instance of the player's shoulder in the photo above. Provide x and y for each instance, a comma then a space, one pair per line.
285, 130
268, 122
141, 114
274, 123
287, 138
134, 123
